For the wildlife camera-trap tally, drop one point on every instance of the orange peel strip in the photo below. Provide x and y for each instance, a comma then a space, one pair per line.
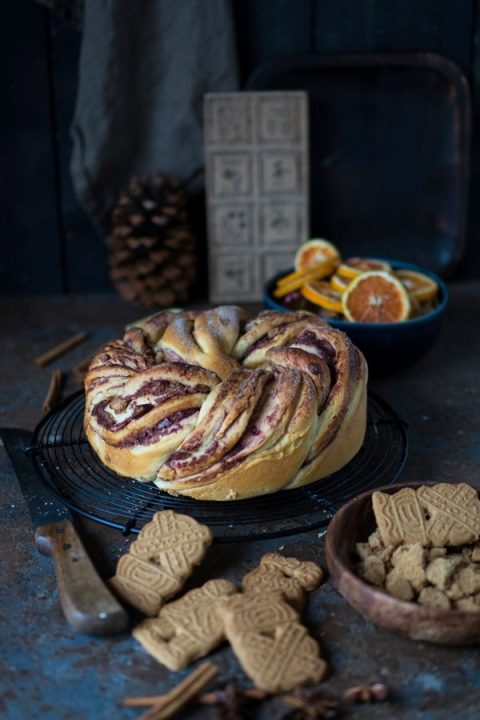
324, 297
295, 283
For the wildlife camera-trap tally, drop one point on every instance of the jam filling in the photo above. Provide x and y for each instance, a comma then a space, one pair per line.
263, 340
182, 459
107, 420
163, 390
171, 356
169, 388
167, 426
251, 436
322, 347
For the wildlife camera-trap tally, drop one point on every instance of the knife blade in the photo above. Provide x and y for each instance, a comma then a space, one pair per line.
88, 605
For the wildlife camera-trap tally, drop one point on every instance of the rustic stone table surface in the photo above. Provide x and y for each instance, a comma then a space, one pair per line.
49, 672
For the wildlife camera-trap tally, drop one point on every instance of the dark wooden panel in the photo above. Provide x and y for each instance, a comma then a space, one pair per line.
84, 249
388, 152
270, 28
456, 39
471, 264
391, 26
342, 26
31, 258
444, 27
49, 244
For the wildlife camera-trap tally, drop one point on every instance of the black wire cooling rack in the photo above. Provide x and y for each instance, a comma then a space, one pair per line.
66, 463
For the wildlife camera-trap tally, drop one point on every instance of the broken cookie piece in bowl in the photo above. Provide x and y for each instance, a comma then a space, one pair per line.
407, 557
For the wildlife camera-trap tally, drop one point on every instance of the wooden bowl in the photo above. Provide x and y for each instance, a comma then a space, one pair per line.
353, 523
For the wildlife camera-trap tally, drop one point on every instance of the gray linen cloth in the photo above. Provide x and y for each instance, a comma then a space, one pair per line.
144, 67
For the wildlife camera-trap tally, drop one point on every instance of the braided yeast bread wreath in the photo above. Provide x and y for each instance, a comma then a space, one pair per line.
219, 407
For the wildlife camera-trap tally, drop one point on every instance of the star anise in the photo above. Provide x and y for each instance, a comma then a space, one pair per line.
310, 705
369, 692
231, 701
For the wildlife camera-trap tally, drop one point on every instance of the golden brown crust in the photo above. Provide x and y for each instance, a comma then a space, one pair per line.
211, 406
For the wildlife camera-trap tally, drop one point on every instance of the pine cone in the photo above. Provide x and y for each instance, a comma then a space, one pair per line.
153, 254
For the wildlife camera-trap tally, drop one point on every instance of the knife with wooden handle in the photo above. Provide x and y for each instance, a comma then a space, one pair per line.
87, 603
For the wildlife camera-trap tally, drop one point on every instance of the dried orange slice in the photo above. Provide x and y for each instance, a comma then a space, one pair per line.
315, 251
353, 267
419, 286
376, 296
320, 270
339, 283
295, 280
421, 308
415, 308
320, 293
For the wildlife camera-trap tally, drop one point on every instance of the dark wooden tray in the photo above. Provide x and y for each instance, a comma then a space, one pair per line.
389, 148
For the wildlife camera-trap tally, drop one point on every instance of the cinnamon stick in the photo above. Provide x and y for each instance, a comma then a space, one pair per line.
208, 698
211, 698
54, 391
166, 706
60, 349
143, 700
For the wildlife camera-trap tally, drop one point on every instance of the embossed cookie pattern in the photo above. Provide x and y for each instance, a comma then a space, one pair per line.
399, 516
160, 560
292, 577
454, 513
188, 628
273, 648
143, 585
441, 571
440, 515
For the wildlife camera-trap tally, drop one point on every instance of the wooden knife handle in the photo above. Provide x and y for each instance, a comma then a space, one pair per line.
88, 605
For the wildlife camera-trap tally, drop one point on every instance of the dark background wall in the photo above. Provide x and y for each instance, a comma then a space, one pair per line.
48, 244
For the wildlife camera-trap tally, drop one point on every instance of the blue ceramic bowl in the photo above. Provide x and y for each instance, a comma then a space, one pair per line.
386, 346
